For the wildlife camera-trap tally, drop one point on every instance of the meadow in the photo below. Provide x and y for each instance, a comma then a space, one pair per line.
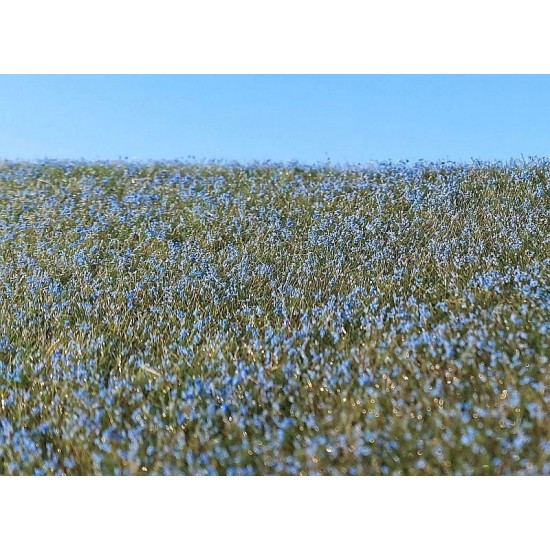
201, 319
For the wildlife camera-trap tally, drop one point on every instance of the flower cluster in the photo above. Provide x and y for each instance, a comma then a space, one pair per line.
274, 319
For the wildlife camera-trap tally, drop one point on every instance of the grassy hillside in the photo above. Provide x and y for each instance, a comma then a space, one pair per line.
167, 319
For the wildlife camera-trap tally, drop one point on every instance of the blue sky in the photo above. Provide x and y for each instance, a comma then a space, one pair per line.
308, 118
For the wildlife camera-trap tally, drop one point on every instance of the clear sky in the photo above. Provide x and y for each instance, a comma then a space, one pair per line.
307, 118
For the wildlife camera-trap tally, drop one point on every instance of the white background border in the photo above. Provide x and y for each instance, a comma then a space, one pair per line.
287, 36
273, 512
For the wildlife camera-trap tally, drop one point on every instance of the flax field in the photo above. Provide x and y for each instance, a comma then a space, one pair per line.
265, 319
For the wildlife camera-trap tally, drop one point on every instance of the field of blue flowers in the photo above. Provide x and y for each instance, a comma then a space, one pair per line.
274, 319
